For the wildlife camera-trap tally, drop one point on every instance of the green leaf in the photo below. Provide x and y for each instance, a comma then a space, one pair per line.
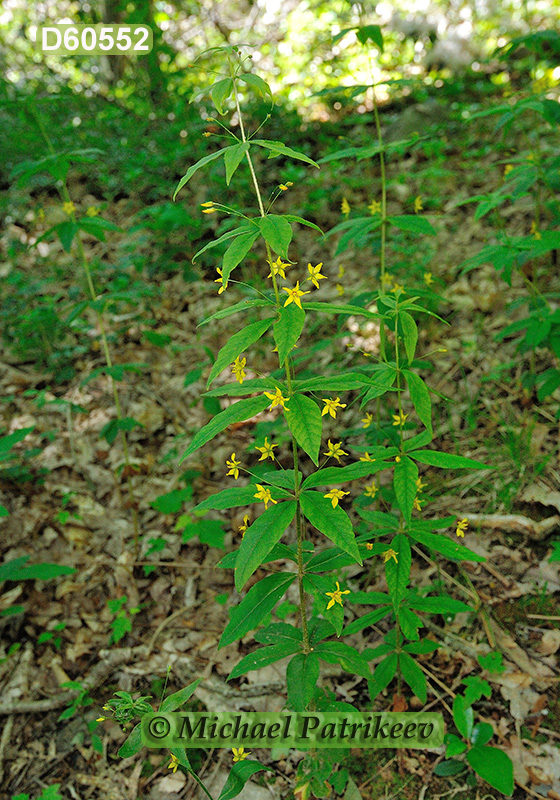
278, 632
494, 766
228, 498
7, 442
263, 657
397, 574
404, 482
305, 422
4, 511
110, 431
220, 92
329, 559
366, 620
178, 699
414, 224
410, 623
236, 252
195, 167
413, 675
238, 412
260, 538
410, 334
277, 232
420, 396
482, 733
36, 572
66, 232
455, 746
257, 603
382, 379
442, 544
237, 344
449, 767
335, 383
330, 475
334, 523
333, 308
250, 386
294, 218
341, 653
435, 458
438, 605
383, 674
224, 238
463, 716
238, 776
172, 502
233, 158
287, 330
257, 83
133, 743
372, 33
280, 149
301, 678
242, 306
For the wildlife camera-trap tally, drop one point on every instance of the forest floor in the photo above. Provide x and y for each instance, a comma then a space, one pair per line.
69, 504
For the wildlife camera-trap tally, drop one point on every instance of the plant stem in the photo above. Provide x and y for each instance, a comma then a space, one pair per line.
300, 526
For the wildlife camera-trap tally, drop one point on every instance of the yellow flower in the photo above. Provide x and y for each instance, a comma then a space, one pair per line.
239, 755
294, 295
417, 204
331, 406
335, 450
369, 546
386, 278
277, 399
374, 206
428, 280
535, 231
339, 289
173, 764
106, 708
371, 491
264, 495
397, 287
92, 211
390, 553
366, 457
41, 214
100, 719
462, 526
345, 207
233, 467
335, 495
237, 369
336, 596
243, 528
209, 204
417, 504
223, 287
399, 419
397, 458
283, 187
507, 169
419, 485
341, 272
266, 450
315, 274
208, 208
367, 420
277, 268
68, 207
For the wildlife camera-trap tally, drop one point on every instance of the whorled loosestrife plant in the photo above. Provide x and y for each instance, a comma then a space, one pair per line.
313, 501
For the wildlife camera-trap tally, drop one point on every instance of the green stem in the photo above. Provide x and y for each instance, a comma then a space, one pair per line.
300, 527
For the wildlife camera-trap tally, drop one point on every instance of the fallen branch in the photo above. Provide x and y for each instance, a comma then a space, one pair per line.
536, 529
